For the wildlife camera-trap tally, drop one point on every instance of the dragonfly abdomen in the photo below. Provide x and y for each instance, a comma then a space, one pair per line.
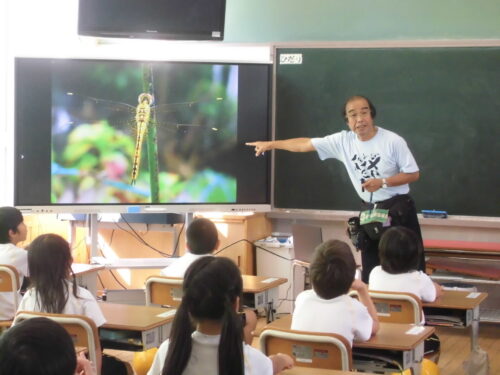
142, 116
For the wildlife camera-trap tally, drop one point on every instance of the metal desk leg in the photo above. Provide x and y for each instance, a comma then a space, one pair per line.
474, 328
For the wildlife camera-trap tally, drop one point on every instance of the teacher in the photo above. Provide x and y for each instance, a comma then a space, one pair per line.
380, 166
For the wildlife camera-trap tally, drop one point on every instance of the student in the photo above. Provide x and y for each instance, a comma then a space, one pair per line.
51, 290
327, 308
206, 336
12, 231
43, 347
400, 251
202, 240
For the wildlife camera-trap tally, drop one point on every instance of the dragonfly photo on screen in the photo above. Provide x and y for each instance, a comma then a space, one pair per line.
131, 132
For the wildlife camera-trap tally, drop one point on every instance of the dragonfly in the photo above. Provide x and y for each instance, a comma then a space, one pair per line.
142, 115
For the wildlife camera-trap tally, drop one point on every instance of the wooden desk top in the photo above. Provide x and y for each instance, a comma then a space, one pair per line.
257, 284
395, 336
297, 370
134, 318
82, 268
391, 336
456, 299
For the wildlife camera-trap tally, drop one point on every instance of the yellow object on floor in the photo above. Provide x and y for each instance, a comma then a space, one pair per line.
427, 368
143, 360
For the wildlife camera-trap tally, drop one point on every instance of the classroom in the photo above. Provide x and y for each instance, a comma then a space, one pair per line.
427, 66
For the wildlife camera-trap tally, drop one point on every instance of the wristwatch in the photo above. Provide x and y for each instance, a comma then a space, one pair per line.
384, 183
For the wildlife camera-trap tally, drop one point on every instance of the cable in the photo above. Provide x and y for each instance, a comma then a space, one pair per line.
139, 238
257, 246
112, 274
174, 253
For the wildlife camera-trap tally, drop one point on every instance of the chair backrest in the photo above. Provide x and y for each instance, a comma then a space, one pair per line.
9, 278
165, 291
9, 282
397, 307
82, 330
308, 349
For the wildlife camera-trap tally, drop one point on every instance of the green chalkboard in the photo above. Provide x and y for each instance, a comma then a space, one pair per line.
444, 101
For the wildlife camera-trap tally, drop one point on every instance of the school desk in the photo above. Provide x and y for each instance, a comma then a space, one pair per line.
403, 343
262, 292
86, 275
134, 328
458, 309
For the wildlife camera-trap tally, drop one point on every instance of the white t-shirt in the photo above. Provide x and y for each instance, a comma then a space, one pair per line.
84, 305
342, 315
13, 256
204, 358
415, 282
180, 265
385, 155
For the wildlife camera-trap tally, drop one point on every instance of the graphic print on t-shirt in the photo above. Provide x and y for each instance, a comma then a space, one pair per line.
367, 165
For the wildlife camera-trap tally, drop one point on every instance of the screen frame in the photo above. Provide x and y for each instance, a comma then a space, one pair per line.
144, 208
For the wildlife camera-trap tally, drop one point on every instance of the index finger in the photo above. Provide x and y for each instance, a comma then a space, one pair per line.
251, 143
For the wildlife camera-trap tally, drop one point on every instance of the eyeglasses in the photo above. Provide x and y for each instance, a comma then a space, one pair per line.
362, 114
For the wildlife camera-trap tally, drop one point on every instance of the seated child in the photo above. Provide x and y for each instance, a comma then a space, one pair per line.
327, 308
43, 347
12, 231
52, 290
399, 251
202, 239
207, 335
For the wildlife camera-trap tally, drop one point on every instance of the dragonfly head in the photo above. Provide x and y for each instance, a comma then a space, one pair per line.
146, 97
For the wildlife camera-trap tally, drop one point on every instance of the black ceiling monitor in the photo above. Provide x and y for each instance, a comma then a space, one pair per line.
152, 19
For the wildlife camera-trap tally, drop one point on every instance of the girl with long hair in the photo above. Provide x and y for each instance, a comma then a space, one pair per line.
207, 331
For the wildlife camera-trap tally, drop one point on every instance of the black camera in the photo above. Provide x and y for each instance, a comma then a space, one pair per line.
354, 231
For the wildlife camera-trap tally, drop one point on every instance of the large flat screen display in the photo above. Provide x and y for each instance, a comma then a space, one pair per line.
156, 19
133, 136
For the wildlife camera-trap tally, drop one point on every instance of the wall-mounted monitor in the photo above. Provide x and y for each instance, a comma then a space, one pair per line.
157, 19
140, 136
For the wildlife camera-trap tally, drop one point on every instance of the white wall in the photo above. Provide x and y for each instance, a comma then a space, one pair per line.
49, 29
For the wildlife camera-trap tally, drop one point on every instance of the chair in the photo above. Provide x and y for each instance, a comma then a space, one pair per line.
82, 330
165, 291
9, 282
396, 307
308, 349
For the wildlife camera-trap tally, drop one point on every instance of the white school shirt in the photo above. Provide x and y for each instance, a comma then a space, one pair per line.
385, 155
13, 256
86, 304
180, 265
415, 282
204, 358
342, 315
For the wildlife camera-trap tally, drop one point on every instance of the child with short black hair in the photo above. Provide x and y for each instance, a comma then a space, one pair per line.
207, 335
12, 231
202, 239
400, 250
40, 346
327, 308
